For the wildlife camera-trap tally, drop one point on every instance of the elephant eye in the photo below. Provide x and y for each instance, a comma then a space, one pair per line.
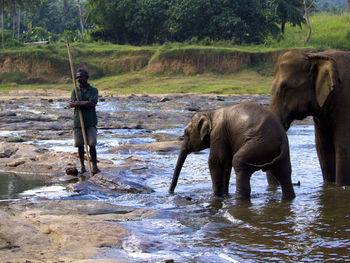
282, 89
186, 133
283, 85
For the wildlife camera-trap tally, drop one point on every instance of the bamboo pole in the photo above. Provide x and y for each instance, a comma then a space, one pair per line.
79, 110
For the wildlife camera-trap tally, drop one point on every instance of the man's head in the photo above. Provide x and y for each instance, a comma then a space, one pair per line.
82, 77
82, 73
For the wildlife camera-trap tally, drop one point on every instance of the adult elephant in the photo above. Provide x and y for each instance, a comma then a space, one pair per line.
317, 84
245, 136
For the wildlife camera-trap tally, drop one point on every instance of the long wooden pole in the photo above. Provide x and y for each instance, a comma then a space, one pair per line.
79, 110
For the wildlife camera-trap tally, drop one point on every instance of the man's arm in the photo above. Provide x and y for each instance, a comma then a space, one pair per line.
84, 105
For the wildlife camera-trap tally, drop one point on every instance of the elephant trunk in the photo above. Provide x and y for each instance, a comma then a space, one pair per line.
180, 161
280, 112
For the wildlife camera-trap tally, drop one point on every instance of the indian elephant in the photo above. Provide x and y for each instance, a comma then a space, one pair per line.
245, 136
317, 84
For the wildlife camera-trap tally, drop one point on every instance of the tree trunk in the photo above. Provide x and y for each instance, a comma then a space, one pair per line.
2, 24
18, 23
306, 8
14, 19
82, 20
349, 5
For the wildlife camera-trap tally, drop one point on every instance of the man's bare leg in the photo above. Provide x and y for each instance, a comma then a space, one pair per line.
81, 153
93, 155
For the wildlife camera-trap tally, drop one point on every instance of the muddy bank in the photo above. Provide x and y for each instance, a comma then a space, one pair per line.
49, 64
198, 61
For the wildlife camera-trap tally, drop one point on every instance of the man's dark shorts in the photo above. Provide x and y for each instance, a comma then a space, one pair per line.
91, 136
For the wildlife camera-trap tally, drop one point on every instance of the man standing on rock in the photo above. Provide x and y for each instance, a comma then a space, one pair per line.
88, 97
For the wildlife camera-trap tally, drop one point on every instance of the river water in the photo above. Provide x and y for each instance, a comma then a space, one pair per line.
193, 226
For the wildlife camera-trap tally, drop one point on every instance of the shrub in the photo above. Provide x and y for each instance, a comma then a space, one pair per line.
9, 42
72, 36
38, 34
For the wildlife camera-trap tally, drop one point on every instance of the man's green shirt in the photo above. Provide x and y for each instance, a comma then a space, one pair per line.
89, 116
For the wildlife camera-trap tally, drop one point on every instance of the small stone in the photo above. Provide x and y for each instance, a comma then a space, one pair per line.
72, 171
164, 99
193, 108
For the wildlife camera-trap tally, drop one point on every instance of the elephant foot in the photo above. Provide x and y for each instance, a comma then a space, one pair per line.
242, 196
288, 196
271, 180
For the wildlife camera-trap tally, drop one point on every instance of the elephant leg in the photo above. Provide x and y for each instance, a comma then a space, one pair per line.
342, 164
243, 189
282, 172
220, 171
228, 169
271, 180
326, 154
243, 174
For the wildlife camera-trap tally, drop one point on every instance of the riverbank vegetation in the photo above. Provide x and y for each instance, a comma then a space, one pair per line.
194, 65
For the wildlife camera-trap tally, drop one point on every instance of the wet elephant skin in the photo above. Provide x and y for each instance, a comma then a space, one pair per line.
317, 84
245, 136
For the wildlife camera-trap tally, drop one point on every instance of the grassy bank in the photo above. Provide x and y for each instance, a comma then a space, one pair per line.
125, 69
328, 31
244, 82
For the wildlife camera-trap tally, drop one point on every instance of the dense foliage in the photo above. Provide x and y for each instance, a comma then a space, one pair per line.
149, 21
145, 22
55, 16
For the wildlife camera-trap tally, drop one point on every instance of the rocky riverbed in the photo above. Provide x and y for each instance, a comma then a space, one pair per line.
75, 230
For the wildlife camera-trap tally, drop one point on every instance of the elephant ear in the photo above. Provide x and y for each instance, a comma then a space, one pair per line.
204, 127
326, 76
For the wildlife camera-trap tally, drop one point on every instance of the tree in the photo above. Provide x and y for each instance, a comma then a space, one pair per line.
149, 21
2, 24
240, 20
83, 16
288, 11
129, 21
55, 16
14, 8
307, 7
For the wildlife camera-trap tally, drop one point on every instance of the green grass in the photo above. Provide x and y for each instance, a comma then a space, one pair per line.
244, 82
328, 31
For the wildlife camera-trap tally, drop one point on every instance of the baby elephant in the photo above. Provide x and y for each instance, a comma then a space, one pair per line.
245, 136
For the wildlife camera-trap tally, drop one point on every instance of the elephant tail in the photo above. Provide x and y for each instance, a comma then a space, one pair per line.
284, 148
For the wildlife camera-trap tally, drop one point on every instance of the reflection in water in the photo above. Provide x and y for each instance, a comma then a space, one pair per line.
192, 226
11, 186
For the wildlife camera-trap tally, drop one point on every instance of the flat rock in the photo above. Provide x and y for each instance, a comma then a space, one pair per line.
168, 146
62, 231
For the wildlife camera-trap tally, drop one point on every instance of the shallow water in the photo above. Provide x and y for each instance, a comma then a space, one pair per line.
192, 226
